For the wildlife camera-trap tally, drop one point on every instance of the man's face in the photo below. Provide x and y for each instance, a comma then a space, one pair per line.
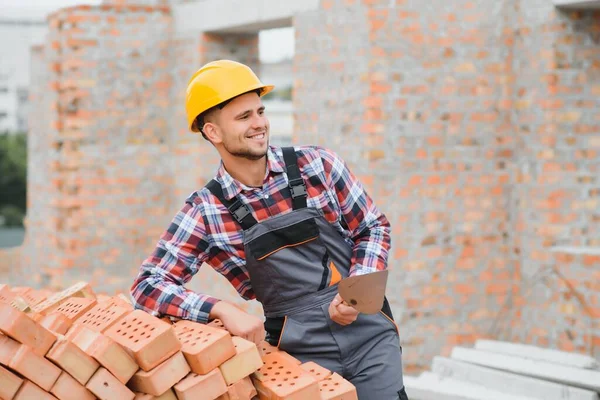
242, 127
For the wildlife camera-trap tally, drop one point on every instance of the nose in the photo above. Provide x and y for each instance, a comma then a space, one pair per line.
259, 121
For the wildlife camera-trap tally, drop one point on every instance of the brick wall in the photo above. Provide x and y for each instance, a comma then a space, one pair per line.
472, 124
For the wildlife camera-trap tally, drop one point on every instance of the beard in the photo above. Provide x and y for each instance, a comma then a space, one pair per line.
247, 153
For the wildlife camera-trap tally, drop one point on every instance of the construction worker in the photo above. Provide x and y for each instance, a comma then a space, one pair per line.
284, 226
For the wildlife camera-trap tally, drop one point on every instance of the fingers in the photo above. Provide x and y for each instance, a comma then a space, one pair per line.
341, 313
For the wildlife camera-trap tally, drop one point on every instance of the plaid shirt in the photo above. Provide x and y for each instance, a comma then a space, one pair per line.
204, 231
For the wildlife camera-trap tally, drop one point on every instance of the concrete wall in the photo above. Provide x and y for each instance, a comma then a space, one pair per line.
471, 124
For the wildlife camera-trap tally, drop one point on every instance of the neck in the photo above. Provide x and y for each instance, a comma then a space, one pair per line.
248, 172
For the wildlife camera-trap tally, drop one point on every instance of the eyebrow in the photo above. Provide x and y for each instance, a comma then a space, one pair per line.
262, 108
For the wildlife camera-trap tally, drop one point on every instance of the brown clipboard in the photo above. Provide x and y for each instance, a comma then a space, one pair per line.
364, 292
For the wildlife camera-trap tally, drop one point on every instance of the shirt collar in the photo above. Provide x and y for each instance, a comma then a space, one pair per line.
232, 187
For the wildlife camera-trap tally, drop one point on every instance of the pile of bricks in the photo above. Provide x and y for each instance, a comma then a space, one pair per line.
78, 345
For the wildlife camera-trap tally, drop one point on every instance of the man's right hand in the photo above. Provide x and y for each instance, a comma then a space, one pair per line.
238, 322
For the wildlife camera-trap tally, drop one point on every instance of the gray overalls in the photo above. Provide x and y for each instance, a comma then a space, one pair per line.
295, 261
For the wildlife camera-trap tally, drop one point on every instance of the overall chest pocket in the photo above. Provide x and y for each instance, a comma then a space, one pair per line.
294, 257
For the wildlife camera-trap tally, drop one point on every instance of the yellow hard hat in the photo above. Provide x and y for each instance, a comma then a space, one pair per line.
217, 82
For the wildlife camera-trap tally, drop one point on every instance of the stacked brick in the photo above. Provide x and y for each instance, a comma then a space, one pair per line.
77, 345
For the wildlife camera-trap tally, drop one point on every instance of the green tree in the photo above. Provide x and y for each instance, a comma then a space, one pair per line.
13, 177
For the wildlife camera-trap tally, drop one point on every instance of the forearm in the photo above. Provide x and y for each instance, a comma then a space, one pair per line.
160, 296
159, 287
371, 246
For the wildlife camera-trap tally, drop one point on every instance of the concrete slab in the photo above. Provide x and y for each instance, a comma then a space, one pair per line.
578, 4
537, 353
249, 16
432, 386
582, 378
508, 382
417, 390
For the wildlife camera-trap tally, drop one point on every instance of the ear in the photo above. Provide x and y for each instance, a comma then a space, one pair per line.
212, 132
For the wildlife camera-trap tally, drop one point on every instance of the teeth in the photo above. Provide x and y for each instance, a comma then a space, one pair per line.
262, 135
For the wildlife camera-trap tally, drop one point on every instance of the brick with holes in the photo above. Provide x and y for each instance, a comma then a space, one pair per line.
161, 378
23, 329
67, 388
20, 304
216, 323
73, 360
30, 391
81, 289
34, 367
34, 297
337, 388
246, 361
148, 339
265, 348
106, 387
241, 390
280, 379
8, 349
9, 383
201, 387
204, 347
75, 307
56, 323
102, 316
6, 295
112, 356
316, 370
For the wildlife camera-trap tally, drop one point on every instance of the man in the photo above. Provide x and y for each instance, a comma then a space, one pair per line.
284, 226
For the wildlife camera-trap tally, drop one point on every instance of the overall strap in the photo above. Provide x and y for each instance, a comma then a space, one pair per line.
240, 211
296, 183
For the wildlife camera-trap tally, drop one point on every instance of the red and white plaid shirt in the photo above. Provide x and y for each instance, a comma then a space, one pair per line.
204, 231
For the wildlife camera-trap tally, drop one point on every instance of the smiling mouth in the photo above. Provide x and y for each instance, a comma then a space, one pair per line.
258, 136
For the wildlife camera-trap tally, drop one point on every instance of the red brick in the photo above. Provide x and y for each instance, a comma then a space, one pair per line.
9, 384
30, 391
337, 388
150, 340
75, 307
6, 295
318, 372
67, 388
34, 367
241, 390
112, 357
80, 289
73, 360
246, 361
56, 322
279, 379
8, 349
103, 316
161, 378
201, 387
20, 327
204, 347
106, 387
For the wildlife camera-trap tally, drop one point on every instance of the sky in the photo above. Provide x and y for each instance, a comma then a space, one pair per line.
273, 46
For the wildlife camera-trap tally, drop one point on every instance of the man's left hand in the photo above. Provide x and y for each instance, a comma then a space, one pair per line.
340, 312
